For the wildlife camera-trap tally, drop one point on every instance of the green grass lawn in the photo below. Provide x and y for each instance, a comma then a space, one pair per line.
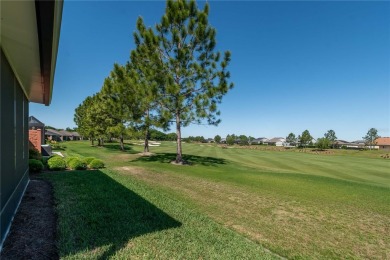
230, 203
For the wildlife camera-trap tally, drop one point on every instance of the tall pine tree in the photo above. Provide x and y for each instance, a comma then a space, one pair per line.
190, 74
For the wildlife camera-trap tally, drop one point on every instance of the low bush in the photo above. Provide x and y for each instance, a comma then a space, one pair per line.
77, 164
35, 165
34, 154
56, 163
45, 159
69, 159
88, 160
96, 164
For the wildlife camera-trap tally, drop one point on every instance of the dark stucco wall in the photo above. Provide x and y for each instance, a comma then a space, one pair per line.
14, 145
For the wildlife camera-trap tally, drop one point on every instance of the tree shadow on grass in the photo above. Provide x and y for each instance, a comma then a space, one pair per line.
117, 147
190, 159
98, 213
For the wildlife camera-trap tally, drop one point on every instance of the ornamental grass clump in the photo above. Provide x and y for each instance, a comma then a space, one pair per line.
96, 164
77, 164
35, 165
56, 163
88, 160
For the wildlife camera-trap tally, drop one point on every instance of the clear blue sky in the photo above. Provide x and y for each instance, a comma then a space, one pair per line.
295, 65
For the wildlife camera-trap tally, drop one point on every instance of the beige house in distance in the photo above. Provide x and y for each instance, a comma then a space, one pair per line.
383, 143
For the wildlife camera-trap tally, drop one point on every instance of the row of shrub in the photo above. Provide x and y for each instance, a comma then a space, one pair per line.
35, 161
57, 163
35, 165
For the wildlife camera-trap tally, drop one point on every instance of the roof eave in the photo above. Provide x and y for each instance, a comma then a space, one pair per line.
49, 34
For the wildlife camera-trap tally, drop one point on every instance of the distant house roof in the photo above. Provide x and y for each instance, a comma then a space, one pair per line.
33, 121
75, 134
65, 133
52, 132
341, 142
383, 141
275, 140
261, 139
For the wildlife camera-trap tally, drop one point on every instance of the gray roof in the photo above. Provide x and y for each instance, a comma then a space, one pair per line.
52, 132
65, 133
33, 121
75, 134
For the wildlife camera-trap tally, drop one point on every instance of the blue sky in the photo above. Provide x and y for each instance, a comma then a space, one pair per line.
295, 65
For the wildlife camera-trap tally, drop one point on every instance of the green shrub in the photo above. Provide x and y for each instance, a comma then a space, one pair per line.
88, 160
35, 165
56, 163
34, 154
45, 159
96, 164
69, 159
77, 164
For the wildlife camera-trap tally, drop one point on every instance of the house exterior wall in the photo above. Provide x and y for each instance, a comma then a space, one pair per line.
14, 145
384, 147
35, 138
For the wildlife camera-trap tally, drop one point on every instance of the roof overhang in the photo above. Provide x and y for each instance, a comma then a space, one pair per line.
30, 32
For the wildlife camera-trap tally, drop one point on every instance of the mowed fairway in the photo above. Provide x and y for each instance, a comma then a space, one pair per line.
298, 205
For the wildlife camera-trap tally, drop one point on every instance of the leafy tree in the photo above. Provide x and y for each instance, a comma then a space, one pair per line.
230, 139
157, 135
291, 139
119, 96
70, 129
191, 77
323, 143
144, 76
83, 120
305, 138
171, 137
370, 137
243, 140
331, 136
50, 127
100, 117
217, 139
93, 119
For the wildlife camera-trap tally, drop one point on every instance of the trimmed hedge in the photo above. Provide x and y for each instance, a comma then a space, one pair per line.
96, 164
56, 163
77, 164
35, 165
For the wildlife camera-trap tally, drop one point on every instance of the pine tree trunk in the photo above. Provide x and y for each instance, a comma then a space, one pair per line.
99, 142
92, 141
146, 146
121, 142
179, 156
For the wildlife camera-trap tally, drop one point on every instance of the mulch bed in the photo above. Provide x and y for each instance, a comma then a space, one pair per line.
33, 230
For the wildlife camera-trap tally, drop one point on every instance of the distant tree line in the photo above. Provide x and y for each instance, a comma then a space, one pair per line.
329, 139
303, 140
